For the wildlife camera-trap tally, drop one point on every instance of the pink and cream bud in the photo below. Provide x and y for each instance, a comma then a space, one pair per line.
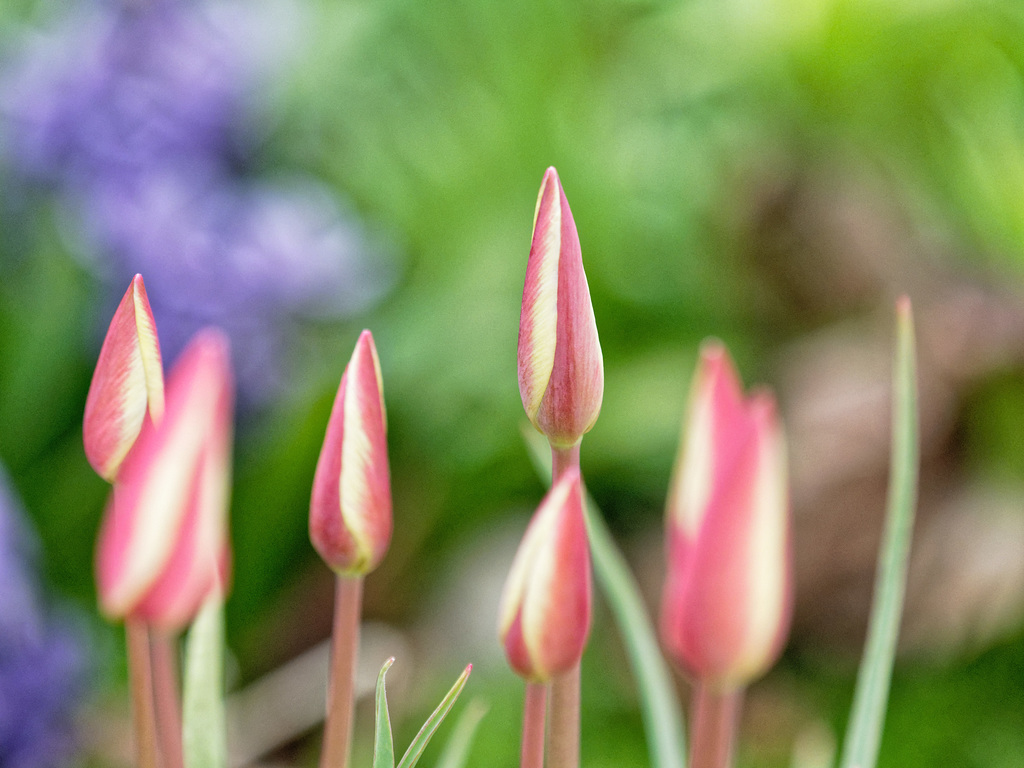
728, 593
163, 545
126, 386
561, 371
350, 511
545, 608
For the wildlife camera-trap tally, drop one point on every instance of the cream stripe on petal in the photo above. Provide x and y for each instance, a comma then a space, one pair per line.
133, 399
149, 355
538, 583
162, 503
543, 312
356, 457
768, 572
698, 455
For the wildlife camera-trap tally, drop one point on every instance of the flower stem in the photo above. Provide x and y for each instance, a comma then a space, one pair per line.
563, 459
534, 710
140, 674
165, 690
348, 598
714, 726
564, 746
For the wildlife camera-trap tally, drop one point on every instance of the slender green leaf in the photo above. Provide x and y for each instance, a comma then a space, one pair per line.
383, 746
867, 718
456, 751
204, 740
415, 751
659, 705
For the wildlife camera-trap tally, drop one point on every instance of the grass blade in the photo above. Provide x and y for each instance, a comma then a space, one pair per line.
456, 751
415, 751
659, 705
383, 746
867, 718
203, 735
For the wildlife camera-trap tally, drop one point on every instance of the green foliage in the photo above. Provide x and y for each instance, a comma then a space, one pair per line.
864, 733
203, 698
384, 751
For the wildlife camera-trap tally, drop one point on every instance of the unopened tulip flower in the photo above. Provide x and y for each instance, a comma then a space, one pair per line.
728, 594
561, 372
126, 386
350, 510
545, 607
163, 546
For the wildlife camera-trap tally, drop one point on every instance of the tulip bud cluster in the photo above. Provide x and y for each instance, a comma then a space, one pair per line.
163, 545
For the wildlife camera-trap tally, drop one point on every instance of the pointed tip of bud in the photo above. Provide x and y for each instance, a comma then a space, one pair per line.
350, 516
163, 546
127, 384
561, 370
544, 617
728, 592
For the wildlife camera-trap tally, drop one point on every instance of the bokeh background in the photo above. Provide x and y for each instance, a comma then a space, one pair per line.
772, 172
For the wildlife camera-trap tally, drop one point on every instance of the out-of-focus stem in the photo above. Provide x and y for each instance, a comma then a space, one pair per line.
140, 675
563, 459
715, 715
564, 746
348, 598
534, 709
167, 701
564, 739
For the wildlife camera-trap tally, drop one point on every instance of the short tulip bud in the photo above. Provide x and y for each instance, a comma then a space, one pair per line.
163, 545
728, 593
561, 371
350, 511
127, 384
545, 608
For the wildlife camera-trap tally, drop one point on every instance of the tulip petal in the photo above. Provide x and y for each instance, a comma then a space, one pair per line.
545, 607
561, 369
350, 511
127, 383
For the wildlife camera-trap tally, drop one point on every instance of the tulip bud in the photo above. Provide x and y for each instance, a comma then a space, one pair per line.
163, 545
545, 607
127, 383
728, 592
561, 372
350, 511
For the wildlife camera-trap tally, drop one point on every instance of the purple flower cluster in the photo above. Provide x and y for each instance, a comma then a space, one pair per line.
42, 665
136, 114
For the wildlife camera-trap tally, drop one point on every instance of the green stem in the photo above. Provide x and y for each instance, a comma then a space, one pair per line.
348, 599
714, 726
140, 674
534, 709
165, 693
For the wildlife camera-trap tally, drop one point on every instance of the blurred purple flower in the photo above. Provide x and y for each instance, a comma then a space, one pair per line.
42, 664
135, 114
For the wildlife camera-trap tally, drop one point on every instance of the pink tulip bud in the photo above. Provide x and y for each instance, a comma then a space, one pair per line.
561, 372
350, 512
545, 608
163, 545
728, 592
127, 383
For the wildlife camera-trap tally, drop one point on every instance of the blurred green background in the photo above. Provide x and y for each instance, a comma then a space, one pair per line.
772, 172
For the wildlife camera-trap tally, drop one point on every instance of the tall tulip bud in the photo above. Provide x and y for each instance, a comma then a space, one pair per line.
545, 607
163, 545
350, 511
561, 371
128, 383
728, 593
